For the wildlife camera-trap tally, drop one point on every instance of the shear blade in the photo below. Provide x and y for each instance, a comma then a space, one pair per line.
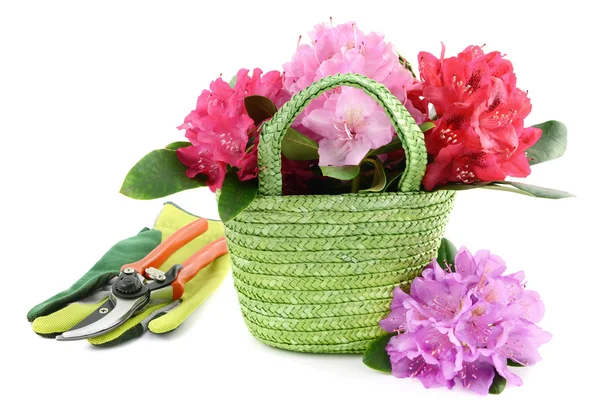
111, 314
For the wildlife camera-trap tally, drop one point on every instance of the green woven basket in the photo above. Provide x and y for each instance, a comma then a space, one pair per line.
316, 273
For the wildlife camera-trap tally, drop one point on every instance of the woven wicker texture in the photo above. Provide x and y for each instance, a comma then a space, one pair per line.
316, 273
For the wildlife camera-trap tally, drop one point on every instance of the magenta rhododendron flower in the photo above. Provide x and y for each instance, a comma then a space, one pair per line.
480, 134
344, 138
459, 327
219, 127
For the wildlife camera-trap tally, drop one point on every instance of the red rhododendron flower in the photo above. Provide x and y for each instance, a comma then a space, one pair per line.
219, 127
456, 163
479, 134
517, 164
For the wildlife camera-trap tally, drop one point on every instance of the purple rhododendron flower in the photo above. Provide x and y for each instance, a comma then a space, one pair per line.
461, 327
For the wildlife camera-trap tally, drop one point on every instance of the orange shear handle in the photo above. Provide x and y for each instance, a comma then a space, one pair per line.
196, 262
166, 249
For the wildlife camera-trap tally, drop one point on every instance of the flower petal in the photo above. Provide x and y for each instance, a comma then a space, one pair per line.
322, 122
477, 375
465, 264
395, 321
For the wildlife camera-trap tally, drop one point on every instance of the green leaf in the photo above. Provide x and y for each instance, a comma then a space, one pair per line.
376, 356
465, 186
379, 178
235, 195
512, 363
538, 191
233, 81
551, 145
344, 173
395, 144
393, 177
259, 108
425, 126
158, 174
498, 384
296, 146
514, 187
177, 145
446, 254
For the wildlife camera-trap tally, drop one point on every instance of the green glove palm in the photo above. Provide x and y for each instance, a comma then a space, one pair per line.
63, 311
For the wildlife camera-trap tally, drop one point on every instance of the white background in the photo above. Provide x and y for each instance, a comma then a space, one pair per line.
88, 88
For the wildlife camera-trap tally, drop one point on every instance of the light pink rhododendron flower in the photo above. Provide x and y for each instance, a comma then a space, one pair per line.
219, 127
479, 134
346, 49
350, 125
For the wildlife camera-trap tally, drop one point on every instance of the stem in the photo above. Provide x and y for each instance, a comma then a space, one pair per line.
356, 184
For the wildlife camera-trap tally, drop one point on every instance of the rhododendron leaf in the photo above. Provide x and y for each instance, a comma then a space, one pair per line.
551, 145
517, 187
465, 186
537, 191
344, 173
392, 177
177, 145
233, 81
498, 384
295, 146
235, 195
395, 144
446, 254
512, 363
259, 108
425, 126
158, 174
376, 356
379, 178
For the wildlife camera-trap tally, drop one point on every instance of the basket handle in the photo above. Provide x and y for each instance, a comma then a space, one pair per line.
411, 137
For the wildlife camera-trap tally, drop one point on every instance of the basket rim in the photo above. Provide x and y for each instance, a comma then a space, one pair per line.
350, 201
445, 194
367, 194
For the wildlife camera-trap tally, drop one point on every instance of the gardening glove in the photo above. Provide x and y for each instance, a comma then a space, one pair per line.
165, 318
66, 309
161, 318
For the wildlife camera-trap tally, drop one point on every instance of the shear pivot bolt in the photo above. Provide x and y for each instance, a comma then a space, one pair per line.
103, 310
129, 271
160, 278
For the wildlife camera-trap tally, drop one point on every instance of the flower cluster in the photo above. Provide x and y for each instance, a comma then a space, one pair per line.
479, 133
219, 127
461, 327
346, 122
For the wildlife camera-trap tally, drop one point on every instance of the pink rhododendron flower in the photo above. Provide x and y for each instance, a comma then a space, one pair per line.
479, 134
350, 125
219, 127
460, 327
346, 49
199, 160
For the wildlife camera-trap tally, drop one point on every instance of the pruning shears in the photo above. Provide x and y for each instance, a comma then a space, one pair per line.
141, 284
